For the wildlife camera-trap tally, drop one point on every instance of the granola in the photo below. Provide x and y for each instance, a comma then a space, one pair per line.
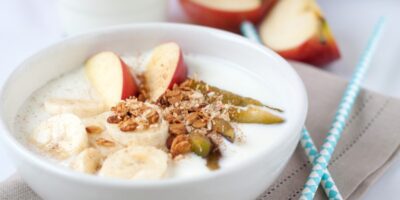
93, 129
189, 111
132, 114
105, 143
199, 117
180, 145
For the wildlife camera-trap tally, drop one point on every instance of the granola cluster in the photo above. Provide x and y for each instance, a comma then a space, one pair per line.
132, 114
190, 111
197, 119
143, 94
180, 145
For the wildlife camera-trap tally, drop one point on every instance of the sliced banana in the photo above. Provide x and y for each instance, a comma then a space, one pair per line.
88, 161
79, 107
96, 137
153, 136
61, 136
136, 162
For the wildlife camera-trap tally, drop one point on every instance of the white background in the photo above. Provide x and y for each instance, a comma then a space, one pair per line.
29, 25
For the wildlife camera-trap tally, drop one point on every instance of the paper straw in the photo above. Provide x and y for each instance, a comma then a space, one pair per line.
249, 31
329, 186
342, 114
306, 141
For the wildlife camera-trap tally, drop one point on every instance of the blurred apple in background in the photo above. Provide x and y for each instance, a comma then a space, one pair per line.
226, 14
297, 30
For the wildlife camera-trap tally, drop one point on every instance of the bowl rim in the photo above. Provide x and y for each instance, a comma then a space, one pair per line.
30, 157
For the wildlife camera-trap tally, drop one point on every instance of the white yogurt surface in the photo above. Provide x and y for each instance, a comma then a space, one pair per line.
217, 72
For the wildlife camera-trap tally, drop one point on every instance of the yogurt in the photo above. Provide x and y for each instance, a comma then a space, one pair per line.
254, 138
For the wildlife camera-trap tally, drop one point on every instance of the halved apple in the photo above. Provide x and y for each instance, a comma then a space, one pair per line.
165, 68
226, 14
297, 30
110, 76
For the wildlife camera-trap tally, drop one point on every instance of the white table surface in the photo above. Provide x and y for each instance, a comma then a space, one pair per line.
29, 25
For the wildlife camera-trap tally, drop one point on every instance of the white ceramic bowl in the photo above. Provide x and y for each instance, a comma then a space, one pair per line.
244, 181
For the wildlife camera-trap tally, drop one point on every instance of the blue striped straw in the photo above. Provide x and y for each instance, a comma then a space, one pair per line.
249, 31
331, 191
342, 114
306, 141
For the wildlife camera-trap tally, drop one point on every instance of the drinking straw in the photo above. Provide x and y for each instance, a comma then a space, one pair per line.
306, 141
329, 186
342, 114
249, 31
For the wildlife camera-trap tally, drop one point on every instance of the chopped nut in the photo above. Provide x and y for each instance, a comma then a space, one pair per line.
128, 125
162, 101
173, 100
104, 142
186, 85
180, 145
153, 117
173, 93
192, 117
114, 119
171, 118
177, 129
200, 123
120, 109
93, 129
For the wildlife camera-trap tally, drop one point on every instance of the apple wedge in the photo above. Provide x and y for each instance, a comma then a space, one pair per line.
165, 68
110, 76
298, 31
226, 14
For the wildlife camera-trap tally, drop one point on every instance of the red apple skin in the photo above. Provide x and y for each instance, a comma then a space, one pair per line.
129, 86
166, 68
228, 20
318, 50
181, 72
116, 74
313, 52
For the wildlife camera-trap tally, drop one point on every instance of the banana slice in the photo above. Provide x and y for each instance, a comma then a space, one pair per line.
79, 107
88, 161
153, 136
61, 136
100, 138
136, 162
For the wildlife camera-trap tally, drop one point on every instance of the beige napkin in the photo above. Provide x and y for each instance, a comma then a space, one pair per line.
369, 143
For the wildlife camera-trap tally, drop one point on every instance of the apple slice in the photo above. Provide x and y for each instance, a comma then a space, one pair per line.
297, 30
110, 76
226, 14
165, 68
